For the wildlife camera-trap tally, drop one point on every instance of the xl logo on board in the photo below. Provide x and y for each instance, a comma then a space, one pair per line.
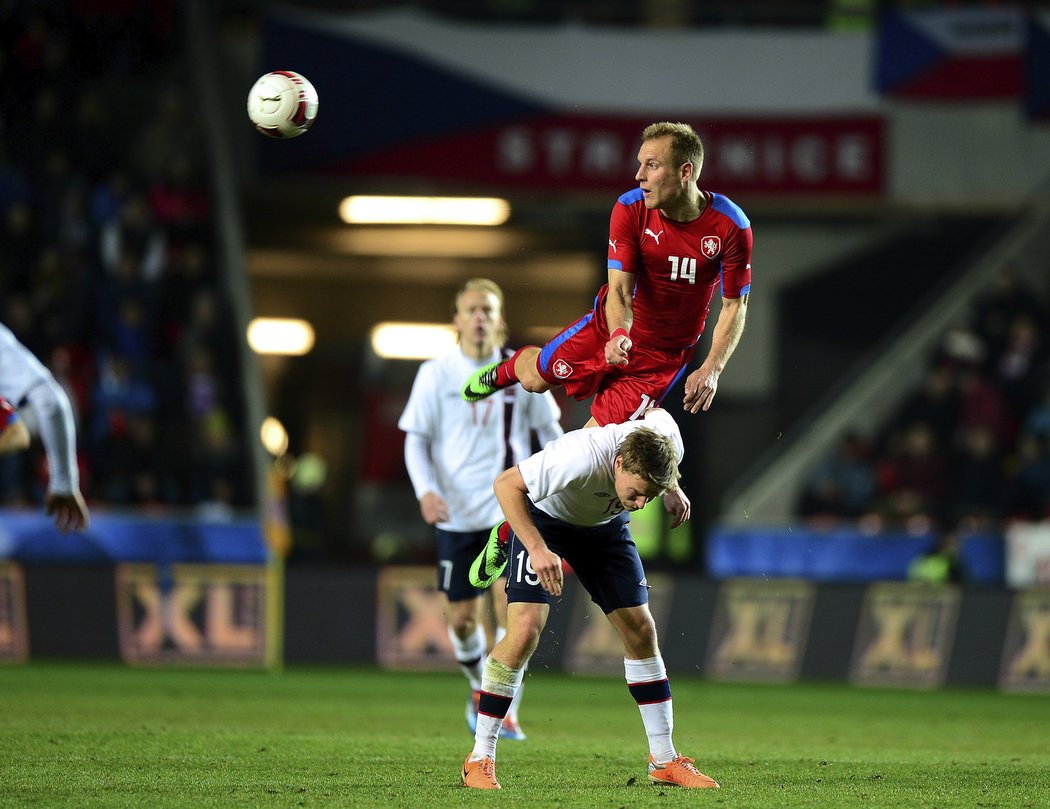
905, 635
14, 634
760, 629
199, 613
411, 627
1026, 651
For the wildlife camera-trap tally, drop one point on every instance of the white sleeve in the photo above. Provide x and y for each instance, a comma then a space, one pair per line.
420, 467
20, 370
54, 416
543, 413
548, 432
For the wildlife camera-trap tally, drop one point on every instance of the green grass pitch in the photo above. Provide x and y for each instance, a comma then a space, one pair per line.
77, 734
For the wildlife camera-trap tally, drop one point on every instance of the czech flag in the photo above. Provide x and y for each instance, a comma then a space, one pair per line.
960, 54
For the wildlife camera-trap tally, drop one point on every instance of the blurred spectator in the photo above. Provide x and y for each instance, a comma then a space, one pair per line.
93, 149
843, 484
1028, 491
982, 403
122, 392
165, 139
940, 565
999, 307
20, 243
134, 232
1037, 422
178, 198
977, 483
1020, 369
913, 476
935, 403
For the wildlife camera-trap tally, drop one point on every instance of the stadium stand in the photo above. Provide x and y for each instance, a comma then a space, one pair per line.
970, 445
107, 272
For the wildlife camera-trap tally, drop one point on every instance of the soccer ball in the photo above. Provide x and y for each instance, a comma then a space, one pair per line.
282, 104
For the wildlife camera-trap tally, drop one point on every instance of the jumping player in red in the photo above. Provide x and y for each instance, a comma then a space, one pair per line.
671, 245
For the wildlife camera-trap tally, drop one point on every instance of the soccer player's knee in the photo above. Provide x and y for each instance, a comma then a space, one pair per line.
521, 640
463, 625
528, 372
533, 382
641, 640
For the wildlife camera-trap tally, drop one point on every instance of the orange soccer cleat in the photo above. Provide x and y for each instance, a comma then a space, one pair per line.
680, 772
480, 774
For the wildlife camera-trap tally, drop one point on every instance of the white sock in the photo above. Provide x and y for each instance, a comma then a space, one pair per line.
657, 713
470, 654
500, 681
516, 703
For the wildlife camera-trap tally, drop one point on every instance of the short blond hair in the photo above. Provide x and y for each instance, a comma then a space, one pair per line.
652, 456
686, 146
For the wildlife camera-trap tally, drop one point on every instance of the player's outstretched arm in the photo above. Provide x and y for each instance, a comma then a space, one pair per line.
677, 505
619, 316
702, 384
69, 510
511, 492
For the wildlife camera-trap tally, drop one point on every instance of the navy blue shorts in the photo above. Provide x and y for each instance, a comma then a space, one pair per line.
603, 557
456, 552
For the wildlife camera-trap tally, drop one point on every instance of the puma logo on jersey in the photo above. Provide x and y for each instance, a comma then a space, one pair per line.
656, 236
612, 244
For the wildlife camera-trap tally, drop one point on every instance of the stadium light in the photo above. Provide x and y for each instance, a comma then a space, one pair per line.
369, 210
273, 436
412, 341
275, 335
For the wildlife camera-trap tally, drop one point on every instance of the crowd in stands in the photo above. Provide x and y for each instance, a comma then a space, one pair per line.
107, 271
971, 446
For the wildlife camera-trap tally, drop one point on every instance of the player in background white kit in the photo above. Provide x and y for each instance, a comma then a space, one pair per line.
454, 450
24, 379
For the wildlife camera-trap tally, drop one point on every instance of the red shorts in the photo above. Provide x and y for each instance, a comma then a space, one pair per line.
7, 414
575, 359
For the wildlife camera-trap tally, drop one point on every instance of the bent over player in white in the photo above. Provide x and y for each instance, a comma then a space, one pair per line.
454, 450
568, 502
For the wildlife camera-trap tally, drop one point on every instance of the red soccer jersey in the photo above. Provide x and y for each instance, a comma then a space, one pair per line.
678, 265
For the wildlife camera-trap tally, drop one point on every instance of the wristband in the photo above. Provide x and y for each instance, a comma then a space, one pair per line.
620, 332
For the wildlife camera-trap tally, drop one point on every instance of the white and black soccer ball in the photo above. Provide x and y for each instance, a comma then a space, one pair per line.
282, 104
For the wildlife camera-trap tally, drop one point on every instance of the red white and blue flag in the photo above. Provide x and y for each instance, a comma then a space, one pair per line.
474, 107
961, 54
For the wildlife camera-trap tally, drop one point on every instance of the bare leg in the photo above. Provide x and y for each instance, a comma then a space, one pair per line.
527, 372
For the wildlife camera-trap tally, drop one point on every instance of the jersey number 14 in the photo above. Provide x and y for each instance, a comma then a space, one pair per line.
684, 268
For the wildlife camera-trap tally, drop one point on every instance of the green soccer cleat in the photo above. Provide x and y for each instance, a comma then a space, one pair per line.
481, 384
493, 557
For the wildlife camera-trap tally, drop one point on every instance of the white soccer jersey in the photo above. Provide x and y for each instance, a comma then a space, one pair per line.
573, 477
19, 369
24, 378
471, 443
